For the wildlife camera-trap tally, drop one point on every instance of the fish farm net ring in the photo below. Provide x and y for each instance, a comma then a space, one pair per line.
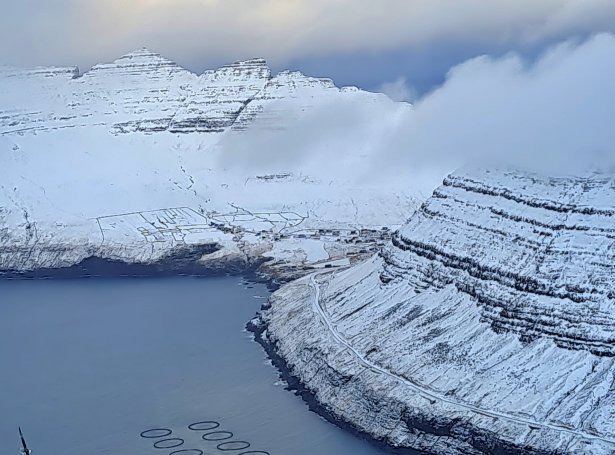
204, 426
217, 436
232, 445
156, 433
169, 443
187, 452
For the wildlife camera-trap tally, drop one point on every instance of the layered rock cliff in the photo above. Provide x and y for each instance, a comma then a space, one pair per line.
486, 326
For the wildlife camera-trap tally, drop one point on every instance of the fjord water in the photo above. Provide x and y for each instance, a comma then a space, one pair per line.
88, 364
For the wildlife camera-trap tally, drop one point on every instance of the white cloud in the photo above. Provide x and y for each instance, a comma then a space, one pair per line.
78, 31
399, 90
554, 115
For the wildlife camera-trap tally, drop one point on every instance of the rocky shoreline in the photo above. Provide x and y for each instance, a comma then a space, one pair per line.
483, 443
364, 402
295, 385
184, 261
439, 435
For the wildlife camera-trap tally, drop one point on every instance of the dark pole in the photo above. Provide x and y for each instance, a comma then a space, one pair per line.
24, 446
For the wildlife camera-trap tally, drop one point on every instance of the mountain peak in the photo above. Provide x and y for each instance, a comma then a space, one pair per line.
144, 54
140, 60
256, 61
144, 91
253, 63
142, 50
255, 68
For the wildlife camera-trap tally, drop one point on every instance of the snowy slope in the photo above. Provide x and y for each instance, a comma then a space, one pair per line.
486, 326
90, 163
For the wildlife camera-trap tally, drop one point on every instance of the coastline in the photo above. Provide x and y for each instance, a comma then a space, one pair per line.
187, 263
363, 400
296, 386
177, 264
179, 261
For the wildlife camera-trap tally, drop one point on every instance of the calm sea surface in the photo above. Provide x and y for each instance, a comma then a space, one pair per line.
87, 365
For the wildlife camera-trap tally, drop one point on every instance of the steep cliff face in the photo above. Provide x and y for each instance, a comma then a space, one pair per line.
544, 265
486, 326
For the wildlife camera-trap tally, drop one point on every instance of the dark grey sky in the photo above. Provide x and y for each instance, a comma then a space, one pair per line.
423, 68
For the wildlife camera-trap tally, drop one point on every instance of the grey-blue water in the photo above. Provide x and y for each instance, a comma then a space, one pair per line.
87, 365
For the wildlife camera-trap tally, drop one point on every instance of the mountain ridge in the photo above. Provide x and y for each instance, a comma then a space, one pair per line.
141, 135
144, 82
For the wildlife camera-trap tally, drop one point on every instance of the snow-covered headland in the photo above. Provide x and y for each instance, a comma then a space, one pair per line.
486, 326
139, 161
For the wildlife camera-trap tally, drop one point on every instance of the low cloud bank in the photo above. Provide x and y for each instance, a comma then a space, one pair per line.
399, 90
553, 115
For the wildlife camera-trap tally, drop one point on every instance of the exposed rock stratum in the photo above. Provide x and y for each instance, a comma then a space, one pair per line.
486, 326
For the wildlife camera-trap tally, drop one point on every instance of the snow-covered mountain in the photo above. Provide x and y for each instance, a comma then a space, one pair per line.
486, 326
143, 91
138, 158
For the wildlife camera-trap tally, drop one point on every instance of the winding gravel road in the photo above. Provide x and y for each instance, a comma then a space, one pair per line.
432, 396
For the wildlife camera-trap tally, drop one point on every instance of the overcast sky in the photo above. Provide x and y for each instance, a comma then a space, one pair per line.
359, 42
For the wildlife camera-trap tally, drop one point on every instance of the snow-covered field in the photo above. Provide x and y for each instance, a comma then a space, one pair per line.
136, 157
